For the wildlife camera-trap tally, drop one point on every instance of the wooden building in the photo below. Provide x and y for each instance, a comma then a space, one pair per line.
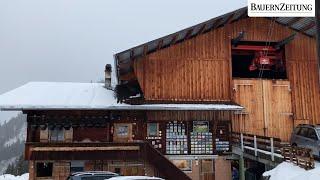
177, 100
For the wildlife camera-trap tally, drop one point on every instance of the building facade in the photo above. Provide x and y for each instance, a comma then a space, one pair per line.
177, 101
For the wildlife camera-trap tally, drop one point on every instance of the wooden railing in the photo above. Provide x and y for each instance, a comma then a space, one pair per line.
164, 165
258, 145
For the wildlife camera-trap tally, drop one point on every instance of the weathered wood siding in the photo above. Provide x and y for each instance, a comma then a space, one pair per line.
301, 62
195, 70
199, 69
268, 108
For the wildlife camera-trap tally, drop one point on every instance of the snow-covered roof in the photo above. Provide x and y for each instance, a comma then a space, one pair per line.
83, 96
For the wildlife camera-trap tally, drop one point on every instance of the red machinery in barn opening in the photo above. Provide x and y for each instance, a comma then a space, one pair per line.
265, 58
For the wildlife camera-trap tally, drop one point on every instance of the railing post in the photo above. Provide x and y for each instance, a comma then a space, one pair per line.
241, 141
272, 149
255, 145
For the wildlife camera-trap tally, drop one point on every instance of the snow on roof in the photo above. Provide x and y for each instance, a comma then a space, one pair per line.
289, 171
83, 96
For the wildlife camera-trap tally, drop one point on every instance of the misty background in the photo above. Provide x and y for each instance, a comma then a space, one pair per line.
72, 40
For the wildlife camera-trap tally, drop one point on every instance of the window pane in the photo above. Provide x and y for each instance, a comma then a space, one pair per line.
303, 132
152, 129
56, 134
312, 134
44, 169
123, 130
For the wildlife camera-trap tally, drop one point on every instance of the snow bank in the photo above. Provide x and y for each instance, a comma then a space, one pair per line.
12, 177
289, 171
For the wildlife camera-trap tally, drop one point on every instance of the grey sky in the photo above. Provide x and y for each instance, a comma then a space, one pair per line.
72, 40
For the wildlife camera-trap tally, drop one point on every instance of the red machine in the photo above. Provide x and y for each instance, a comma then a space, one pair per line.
265, 58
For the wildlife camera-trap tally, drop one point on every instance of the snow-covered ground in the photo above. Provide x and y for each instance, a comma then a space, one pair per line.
289, 171
12, 177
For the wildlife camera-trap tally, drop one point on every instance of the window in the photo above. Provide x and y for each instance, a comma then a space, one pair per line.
56, 134
312, 134
176, 138
303, 132
153, 129
122, 130
44, 169
201, 138
76, 166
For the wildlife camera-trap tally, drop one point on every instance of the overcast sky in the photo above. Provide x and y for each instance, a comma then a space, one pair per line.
72, 40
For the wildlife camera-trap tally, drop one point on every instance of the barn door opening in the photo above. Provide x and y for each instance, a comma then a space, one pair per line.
258, 60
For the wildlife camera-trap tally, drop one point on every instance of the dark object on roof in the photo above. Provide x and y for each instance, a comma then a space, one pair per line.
127, 90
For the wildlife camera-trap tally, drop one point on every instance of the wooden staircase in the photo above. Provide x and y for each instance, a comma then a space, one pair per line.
166, 168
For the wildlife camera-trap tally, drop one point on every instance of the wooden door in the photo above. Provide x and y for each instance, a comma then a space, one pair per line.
268, 109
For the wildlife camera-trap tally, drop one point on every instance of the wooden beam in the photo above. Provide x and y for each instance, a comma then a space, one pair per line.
285, 41
229, 19
160, 43
293, 21
243, 15
201, 30
131, 54
145, 50
307, 27
110, 148
188, 34
174, 39
216, 23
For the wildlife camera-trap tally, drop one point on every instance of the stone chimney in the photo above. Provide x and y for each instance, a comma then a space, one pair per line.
108, 71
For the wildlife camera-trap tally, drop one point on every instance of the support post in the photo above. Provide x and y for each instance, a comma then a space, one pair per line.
241, 168
272, 149
255, 145
241, 141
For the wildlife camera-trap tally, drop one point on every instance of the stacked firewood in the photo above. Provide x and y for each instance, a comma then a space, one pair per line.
300, 156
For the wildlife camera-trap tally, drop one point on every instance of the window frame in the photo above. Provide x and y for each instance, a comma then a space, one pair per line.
56, 135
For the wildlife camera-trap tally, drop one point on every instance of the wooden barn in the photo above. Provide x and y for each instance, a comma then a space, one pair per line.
176, 102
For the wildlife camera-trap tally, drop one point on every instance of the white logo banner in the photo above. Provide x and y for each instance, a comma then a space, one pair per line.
281, 8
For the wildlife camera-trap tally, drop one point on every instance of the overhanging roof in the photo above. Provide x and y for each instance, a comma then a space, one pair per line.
305, 25
83, 96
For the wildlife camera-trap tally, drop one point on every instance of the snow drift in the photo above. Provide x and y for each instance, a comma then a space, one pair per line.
12, 177
289, 171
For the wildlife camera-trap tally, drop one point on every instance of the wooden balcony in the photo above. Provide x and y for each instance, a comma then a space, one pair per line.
104, 151
83, 151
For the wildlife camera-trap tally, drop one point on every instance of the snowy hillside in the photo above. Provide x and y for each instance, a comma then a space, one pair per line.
5, 116
4, 164
289, 171
12, 138
20, 137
